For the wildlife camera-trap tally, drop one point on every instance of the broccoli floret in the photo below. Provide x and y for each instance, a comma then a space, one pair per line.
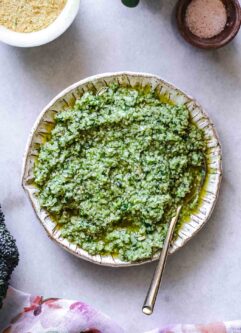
8, 257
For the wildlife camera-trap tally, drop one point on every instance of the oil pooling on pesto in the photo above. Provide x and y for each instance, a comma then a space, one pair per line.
115, 168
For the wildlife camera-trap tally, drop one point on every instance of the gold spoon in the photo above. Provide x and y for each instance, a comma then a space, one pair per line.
150, 300
156, 280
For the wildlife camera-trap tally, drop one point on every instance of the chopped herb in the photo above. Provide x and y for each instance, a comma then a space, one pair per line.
115, 169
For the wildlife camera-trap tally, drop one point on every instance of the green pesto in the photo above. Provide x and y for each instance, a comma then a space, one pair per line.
116, 166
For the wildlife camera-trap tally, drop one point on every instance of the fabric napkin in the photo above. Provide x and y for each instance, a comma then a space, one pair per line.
226, 327
23, 313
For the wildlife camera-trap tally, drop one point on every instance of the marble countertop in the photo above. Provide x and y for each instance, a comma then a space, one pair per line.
202, 281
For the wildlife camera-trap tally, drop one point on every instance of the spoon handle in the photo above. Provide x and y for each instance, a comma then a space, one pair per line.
156, 280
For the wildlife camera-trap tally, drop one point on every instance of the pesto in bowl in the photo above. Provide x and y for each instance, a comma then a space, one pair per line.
115, 167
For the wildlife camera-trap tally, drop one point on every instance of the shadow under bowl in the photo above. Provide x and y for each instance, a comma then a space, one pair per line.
224, 37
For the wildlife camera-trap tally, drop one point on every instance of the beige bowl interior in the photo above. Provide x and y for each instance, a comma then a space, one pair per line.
66, 99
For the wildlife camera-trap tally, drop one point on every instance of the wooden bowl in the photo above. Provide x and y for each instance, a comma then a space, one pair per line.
66, 99
231, 29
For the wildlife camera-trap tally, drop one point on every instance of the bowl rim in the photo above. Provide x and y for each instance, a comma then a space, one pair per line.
97, 259
43, 36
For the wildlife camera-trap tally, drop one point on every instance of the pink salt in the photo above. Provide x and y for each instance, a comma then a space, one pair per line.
206, 18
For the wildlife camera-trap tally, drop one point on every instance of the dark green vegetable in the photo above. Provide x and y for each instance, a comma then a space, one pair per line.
130, 3
8, 257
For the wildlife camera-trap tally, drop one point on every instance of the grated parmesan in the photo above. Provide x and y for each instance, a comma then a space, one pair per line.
29, 15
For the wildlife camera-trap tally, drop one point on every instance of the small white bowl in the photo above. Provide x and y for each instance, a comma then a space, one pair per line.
44, 36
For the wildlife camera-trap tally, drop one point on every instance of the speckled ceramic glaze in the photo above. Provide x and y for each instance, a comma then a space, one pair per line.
66, 99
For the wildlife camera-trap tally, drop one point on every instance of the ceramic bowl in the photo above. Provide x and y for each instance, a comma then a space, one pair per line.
44, 36
224, 37
66, 99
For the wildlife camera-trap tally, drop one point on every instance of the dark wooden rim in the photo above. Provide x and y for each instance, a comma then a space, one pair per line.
229, 32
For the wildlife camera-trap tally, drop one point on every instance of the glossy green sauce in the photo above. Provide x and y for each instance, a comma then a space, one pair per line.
116, 166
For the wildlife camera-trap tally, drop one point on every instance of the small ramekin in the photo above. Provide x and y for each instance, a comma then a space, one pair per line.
44, 36
223, 38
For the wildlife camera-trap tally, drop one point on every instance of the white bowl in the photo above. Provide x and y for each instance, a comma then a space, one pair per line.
66, 99
44, 36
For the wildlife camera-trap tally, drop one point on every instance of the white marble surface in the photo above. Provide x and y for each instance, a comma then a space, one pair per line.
202, 281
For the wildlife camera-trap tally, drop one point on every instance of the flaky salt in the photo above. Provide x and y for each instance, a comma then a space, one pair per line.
206, 18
